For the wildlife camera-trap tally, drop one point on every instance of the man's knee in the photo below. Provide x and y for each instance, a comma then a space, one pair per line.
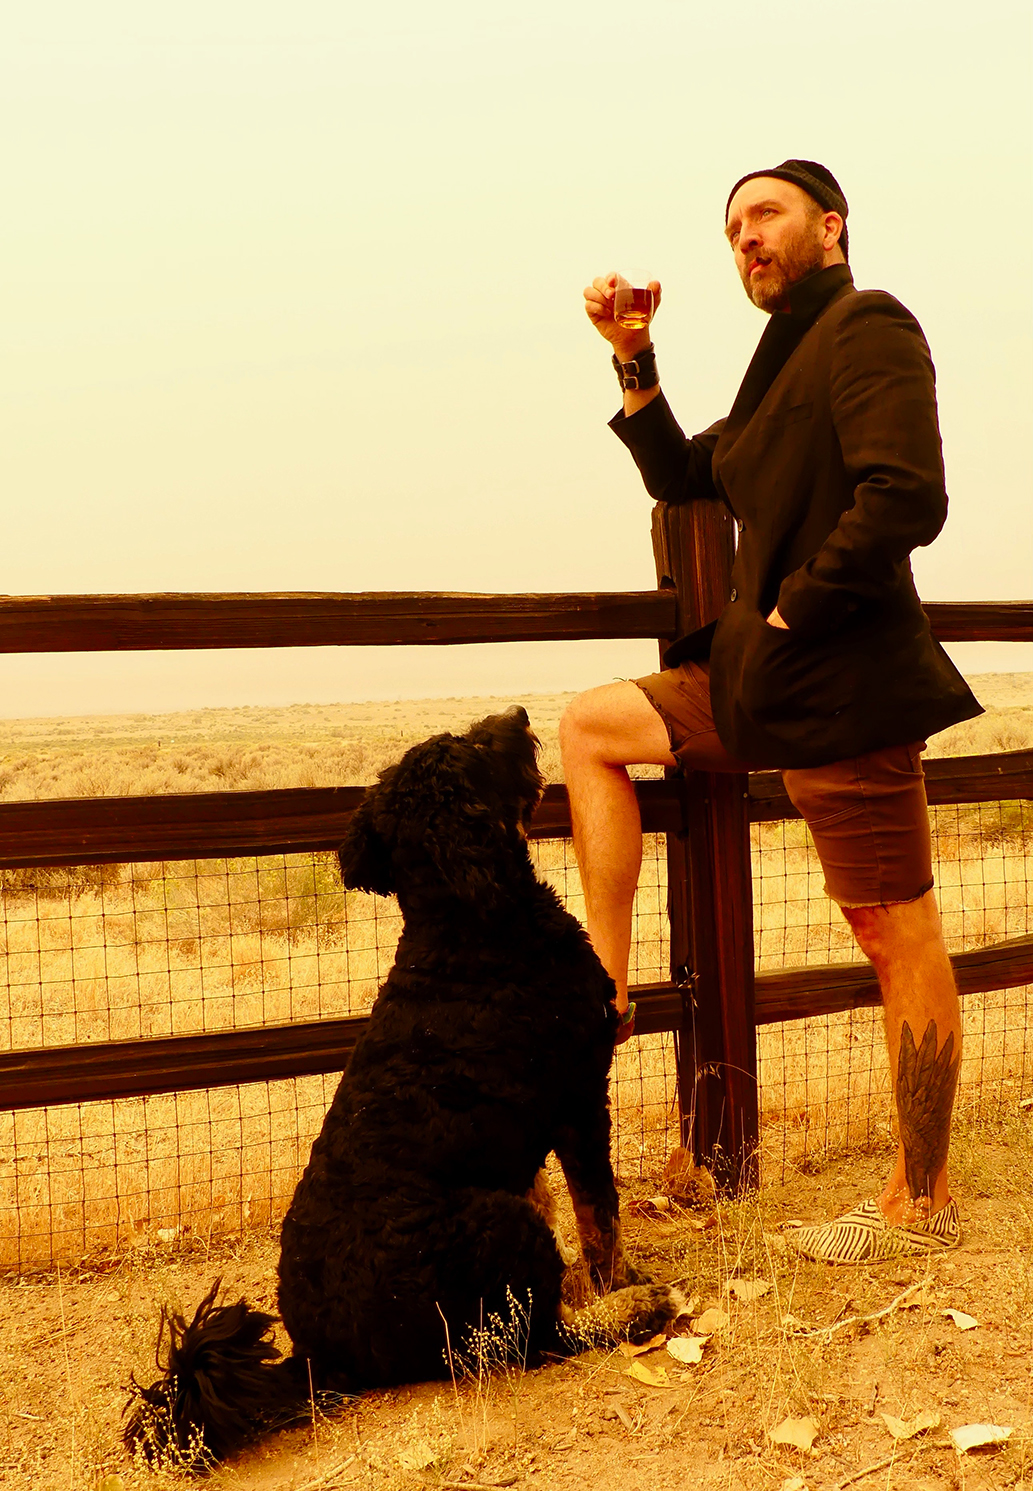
899, 930
614, 724
579, 724
869, 925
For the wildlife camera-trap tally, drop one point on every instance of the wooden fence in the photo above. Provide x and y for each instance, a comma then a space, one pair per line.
712, 999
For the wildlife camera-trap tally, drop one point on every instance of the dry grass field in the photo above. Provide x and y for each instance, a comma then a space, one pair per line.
108, 1208
326, 745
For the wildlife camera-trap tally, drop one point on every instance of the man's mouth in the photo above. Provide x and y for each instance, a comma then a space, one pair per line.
758, 264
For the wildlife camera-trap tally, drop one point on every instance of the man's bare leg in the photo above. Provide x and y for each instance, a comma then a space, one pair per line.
602, 733
923, 1035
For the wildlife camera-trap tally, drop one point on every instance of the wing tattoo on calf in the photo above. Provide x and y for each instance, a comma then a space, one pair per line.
925, 1097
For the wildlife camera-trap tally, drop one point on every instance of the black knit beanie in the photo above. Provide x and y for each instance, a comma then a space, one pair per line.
815, 180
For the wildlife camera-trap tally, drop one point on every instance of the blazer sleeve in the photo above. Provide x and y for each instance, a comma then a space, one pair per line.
673, 468
883, 404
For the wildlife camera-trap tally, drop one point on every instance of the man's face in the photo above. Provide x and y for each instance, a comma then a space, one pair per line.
777, 233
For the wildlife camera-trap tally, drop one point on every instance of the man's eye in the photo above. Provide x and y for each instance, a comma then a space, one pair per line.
733, 239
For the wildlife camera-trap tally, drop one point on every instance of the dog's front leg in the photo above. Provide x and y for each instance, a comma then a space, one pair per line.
585, 1158
544, 1202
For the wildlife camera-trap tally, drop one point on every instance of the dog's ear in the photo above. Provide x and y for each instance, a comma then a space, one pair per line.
365, 857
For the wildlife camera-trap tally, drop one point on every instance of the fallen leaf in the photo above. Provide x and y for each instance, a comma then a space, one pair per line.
655, 1376
110, 1483
800, 1433
687, 1349
690, 1306
747, 1289
654, 1343
908, 1428
655, 1208
710, 1321
961, 1320
794, 1483
565, 1441
688, 1182
703, 1224
975, 1436
418, 1456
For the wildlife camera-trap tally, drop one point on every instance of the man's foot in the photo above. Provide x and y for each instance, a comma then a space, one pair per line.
864, 1236
626, 1028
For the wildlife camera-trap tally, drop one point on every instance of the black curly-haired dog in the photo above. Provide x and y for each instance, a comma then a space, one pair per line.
421, 1213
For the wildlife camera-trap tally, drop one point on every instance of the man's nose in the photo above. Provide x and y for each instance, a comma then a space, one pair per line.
749, 238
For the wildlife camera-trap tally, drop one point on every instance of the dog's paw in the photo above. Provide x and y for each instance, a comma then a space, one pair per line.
651, 1309
619, 1275
634, 1313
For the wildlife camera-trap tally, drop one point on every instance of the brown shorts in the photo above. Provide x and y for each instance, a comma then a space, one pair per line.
867, 816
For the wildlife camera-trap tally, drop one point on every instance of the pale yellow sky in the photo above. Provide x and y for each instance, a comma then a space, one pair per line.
293, 298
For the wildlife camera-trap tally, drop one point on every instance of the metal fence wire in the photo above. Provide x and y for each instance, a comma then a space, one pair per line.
824, 1081
126, 952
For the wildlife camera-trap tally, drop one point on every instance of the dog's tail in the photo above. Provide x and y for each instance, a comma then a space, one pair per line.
223, 1382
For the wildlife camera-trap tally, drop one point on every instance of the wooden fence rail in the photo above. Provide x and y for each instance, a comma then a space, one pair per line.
98, 1070
122, 623
290, 820
105, 623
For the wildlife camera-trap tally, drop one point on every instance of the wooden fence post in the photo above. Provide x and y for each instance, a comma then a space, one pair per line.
710, 893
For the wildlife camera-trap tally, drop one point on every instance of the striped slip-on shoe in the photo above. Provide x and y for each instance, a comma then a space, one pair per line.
864, 1236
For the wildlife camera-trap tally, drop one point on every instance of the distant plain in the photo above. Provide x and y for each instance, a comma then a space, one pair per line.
321, 745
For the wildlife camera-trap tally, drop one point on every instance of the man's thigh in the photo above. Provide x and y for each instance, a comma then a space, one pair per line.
681, 698
869, 820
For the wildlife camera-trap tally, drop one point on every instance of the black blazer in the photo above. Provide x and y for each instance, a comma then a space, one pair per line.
830, 461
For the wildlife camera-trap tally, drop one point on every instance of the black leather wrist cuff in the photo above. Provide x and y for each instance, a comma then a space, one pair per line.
640, 372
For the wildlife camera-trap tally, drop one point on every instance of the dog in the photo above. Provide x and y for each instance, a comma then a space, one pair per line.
422, 1212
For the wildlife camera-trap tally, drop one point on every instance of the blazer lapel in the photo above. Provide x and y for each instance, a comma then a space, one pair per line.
781, 337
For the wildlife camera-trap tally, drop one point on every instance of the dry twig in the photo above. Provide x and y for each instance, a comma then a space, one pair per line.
838, 1325
507, 1480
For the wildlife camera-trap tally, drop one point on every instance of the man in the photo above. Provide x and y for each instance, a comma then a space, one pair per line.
822, 663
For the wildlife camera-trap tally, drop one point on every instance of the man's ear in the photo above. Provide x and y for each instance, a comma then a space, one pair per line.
365, 857
832, 236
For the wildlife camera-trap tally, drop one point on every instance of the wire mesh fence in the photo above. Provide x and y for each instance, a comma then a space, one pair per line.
134, 951
824, 1081
128, 952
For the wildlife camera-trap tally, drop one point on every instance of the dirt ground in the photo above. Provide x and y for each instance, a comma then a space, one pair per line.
840, 1347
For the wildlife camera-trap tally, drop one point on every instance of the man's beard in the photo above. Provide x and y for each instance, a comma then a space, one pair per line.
796, 259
